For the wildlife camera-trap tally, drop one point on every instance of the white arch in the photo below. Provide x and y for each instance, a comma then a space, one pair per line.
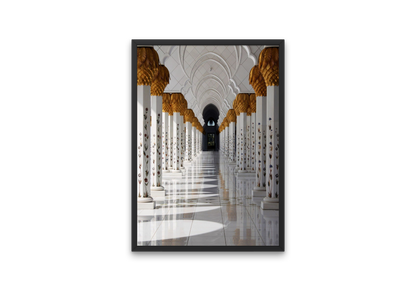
250, 55
225, 64
207, 78
213, 90
169, 54
182, 50
210, 100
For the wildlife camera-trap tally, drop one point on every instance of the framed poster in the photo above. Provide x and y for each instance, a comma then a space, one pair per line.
208, 145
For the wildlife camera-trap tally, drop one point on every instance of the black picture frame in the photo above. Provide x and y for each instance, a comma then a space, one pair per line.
279, 41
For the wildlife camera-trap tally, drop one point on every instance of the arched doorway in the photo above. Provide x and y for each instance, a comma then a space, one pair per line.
210, 140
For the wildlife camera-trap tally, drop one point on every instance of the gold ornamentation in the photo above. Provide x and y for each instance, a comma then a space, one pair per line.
165, 102
236, 106
160, 81
256, 81
244, 102
184, 106
226, 122
189, 115
269, 65
175, 101
253, 103
232, 117
147, 65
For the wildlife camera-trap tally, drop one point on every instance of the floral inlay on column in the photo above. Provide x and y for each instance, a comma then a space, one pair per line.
147, 67
256, 80
269, 68
159, 83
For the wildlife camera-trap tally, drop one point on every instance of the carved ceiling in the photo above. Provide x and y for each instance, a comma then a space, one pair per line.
209, 74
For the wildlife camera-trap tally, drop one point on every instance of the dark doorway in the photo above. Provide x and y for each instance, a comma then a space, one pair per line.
211, 142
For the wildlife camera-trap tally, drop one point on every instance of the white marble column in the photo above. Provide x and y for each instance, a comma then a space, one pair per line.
271, 201
253, 142
147, 67
221, 142
165, 142
269, 69
181, 142
143, 148
176, 142
231, 142
199, 142
194, 140
260, 186
188, 142
248, 142
225, 142
170, 149
238, 144
243, 147
156, 128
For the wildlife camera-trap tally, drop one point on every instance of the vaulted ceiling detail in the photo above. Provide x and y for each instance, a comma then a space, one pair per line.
209, 74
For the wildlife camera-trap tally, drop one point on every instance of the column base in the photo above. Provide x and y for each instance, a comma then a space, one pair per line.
271, 200
145, 203
175, 171
270, 203
160, 188
258, 193
173, 174
158, 193
245, 174
270, 214
165, 171
259, 189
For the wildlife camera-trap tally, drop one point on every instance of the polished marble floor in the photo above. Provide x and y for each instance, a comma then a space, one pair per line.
208, 205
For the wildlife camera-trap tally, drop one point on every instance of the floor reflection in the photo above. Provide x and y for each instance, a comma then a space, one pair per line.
208, 205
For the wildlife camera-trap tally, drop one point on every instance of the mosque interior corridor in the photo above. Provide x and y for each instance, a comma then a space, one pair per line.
207, 146
208, 205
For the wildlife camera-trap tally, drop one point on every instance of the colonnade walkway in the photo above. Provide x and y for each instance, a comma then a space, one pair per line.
208, 205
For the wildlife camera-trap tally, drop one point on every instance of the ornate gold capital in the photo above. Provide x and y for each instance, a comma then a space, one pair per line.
160, 81
244, 102
165, 102
269, 65
194, 122
253, 103
184, 106
189, 115
236, 105
147, 65
176, 101
232, 117
256, 81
